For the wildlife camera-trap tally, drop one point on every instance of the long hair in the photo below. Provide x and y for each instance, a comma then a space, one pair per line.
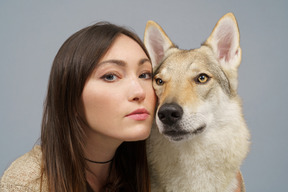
62, 133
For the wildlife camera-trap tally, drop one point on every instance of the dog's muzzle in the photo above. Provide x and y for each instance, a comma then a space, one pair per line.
174, 127
170, 114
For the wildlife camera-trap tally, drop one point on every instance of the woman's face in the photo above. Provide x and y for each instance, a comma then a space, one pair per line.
118, 97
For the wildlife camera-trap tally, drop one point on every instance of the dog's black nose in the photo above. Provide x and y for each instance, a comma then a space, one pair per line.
170, 113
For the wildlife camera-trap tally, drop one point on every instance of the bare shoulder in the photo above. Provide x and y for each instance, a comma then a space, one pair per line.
24, 173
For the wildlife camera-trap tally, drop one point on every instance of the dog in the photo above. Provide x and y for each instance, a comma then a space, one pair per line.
200, 138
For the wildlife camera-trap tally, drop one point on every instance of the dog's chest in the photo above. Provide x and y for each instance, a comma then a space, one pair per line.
187, 167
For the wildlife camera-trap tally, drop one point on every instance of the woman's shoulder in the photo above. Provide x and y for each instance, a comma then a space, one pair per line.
24, 173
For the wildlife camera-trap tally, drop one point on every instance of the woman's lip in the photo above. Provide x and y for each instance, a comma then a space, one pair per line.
139, 114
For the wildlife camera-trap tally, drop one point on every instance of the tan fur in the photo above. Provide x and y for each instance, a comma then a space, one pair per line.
205, 159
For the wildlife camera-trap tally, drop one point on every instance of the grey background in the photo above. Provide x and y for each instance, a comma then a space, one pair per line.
31, 33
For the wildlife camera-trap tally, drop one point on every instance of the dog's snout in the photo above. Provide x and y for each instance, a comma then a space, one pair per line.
169, 114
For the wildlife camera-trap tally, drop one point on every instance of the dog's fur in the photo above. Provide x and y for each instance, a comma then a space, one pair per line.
202, 137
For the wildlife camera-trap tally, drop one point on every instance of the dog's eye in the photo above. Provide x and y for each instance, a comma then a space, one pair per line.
159, 81
202, 78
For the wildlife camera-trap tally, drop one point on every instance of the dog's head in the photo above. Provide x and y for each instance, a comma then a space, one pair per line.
194, 86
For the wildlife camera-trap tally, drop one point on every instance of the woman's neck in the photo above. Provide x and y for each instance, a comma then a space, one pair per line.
97, 175
99, 149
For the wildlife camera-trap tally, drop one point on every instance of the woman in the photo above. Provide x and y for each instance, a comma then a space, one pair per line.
98, 112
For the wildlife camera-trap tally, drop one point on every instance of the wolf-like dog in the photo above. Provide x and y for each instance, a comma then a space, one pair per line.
201, 137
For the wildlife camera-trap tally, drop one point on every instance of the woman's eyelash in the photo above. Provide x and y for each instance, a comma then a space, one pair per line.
109, 77
147, 75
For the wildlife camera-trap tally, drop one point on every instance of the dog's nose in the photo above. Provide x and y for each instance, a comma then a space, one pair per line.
170, 113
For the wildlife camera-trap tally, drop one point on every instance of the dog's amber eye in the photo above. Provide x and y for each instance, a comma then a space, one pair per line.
159, 81
202, 78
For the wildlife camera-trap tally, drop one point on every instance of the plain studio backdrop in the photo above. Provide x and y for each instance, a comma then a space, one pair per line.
31, 32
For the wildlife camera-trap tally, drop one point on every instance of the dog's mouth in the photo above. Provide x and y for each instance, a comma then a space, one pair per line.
174, 133
199, 130
177, 135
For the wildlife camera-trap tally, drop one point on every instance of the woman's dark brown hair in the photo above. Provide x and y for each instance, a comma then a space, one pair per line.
62, 134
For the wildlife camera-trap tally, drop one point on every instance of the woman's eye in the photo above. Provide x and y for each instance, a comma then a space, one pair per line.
146, 76
109, 77
202, 78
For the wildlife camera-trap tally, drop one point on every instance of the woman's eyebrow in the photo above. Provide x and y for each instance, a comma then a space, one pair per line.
144, 60
123, 63
113, 61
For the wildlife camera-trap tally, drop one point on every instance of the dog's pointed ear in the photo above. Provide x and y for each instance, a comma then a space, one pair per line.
156, 42
225, 41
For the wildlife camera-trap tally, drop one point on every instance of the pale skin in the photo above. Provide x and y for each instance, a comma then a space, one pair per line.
119, 103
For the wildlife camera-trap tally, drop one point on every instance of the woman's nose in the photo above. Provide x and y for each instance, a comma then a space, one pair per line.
136, 91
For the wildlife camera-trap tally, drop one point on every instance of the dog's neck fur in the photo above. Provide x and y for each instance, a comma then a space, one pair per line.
207, 162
